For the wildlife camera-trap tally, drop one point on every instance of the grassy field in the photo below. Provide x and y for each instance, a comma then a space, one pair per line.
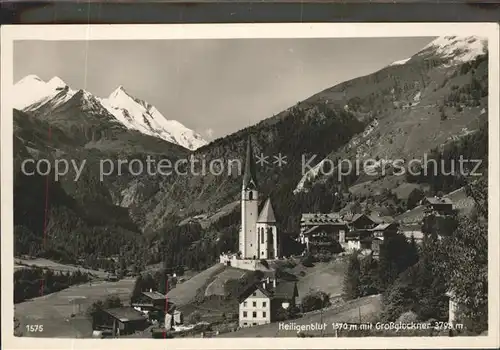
327, 277
368, 307
187, 292
53, 311
216, 287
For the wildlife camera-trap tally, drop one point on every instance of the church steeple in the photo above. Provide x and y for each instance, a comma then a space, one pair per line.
249, 178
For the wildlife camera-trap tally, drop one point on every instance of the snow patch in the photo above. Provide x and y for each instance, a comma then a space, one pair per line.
400, 62
31, 89
416, 98
458, 49
309, 176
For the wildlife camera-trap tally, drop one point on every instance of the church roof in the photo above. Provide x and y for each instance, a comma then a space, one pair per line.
267, 213
249, 176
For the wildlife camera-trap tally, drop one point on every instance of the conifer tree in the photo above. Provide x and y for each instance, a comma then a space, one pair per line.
352, 278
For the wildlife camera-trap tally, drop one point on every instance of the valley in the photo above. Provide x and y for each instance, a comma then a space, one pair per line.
185, 236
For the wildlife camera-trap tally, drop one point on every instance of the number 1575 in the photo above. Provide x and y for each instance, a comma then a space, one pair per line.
32, 328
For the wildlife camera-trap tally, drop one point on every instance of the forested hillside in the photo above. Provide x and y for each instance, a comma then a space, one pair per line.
422, 106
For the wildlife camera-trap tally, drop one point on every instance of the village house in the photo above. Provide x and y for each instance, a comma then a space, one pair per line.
359, 235
262, 302
173, 318
319, 231
383, 231
149, 301
380, 233
413, 231
121, 320
359, 222
154, 305
439, 205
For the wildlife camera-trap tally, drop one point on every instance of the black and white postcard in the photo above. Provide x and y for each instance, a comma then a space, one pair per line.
296, 185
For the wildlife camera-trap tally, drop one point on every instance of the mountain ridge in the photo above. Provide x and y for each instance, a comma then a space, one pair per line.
31, 93
401, 110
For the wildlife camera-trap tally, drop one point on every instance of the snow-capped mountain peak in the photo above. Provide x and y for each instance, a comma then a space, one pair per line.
33, 90
453, 49
31, 93
117, 92
457, 49
139, 115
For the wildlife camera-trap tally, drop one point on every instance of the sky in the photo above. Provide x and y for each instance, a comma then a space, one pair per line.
215, 87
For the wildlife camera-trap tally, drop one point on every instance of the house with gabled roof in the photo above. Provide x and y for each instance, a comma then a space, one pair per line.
440, 205
262, 301
318, 230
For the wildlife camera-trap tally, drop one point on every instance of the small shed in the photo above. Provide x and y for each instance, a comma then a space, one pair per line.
123, 320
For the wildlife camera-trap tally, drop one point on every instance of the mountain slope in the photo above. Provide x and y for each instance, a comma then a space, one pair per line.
401, 111
414, 106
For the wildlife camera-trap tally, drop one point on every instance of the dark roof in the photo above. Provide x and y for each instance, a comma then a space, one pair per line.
382, 219
439, 200
321, 219
267, 213
381, 227
249, 177
283, 290
154, 295
125, 314
252, 288
356, 217
286, 290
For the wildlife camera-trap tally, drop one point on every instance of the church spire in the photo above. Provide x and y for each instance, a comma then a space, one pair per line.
249, 177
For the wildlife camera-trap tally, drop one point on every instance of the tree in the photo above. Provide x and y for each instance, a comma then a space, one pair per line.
307, 260
394, 258
414, 198
412, 252
138, 288
465, 262
112, 301
352, 286
194, 317
368, 277
315, 301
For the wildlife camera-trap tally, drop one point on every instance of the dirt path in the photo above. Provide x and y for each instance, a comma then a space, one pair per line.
368, 307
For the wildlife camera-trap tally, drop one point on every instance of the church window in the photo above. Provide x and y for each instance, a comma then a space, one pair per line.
250, 195
262, 235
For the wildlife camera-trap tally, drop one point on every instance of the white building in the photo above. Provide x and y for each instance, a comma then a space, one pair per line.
262, 302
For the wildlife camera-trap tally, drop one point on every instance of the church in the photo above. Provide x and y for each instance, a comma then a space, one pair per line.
258, 236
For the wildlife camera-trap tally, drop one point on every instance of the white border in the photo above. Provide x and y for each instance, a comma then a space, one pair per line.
10, 33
